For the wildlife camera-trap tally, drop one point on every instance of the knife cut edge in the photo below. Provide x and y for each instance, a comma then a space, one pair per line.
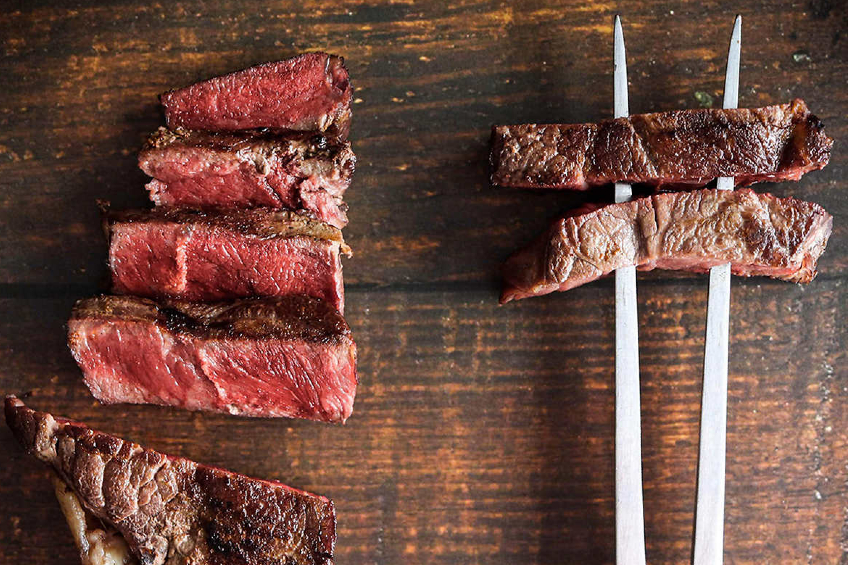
629, 506
709, 508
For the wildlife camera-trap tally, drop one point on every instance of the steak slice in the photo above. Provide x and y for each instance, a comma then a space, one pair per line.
200, 169
310, 92
286, 356
173, 511
686, 147
759, 234
98, 544
218, 254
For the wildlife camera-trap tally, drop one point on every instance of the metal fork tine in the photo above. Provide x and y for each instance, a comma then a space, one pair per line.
709, 509
629, 512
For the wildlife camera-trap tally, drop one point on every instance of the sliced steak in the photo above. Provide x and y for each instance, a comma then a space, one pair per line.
173, 511
98, 544
218, 254
758, 234
199, 169
287, 356
686, 147
310, 92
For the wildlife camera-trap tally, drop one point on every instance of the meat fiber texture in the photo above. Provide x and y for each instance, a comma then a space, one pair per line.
269, 357
219, 254
310, 92
682, 148
302, 172
173, 511
758, 234
97, 543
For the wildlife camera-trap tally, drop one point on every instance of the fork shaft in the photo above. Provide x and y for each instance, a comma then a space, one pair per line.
629, 511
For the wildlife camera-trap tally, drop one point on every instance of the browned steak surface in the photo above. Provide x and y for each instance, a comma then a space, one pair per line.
758, 234
174, 511
686, 147
265, 224
293, 317
289, 356
304, 172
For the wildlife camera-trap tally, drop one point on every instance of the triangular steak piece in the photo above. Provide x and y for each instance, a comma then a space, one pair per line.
758, 234
310, 92
289, 356
173, 511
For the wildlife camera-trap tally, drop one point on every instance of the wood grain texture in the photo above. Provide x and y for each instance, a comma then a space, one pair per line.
481, 434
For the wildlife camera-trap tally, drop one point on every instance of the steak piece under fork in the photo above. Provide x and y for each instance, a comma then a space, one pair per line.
759, 234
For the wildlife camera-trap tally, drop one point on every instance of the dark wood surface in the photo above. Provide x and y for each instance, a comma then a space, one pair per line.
481, 434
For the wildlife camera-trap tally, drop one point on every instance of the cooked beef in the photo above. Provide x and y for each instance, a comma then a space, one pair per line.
758, 234
310, 92
97, 543
218, 254
687, 147
200, 169
173, 511
288, 356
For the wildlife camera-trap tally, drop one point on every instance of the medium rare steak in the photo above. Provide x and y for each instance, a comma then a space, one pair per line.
310, 92
687, 147
758, 234
218, 254
201, 169
287, 356
173, 511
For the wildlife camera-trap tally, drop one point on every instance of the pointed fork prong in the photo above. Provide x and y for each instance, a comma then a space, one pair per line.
731, 77
731, 84
709, 506
621, 108
629, 508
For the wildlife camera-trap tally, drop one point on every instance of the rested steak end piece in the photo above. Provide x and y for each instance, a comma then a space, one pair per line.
758, 234
289, 356
310, 92
171, 510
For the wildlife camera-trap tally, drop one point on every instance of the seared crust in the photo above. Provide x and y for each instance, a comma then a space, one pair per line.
292, 317
339, 128
687, 147
173, 511
313, 150
259, 222
758, 234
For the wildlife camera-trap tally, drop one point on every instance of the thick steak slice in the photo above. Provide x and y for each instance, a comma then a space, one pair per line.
287, 356
219, 254
686, 147
199, 169
310, 92
758, 234
172, 511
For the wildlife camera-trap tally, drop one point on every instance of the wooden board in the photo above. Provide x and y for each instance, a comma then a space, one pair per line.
481, 434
